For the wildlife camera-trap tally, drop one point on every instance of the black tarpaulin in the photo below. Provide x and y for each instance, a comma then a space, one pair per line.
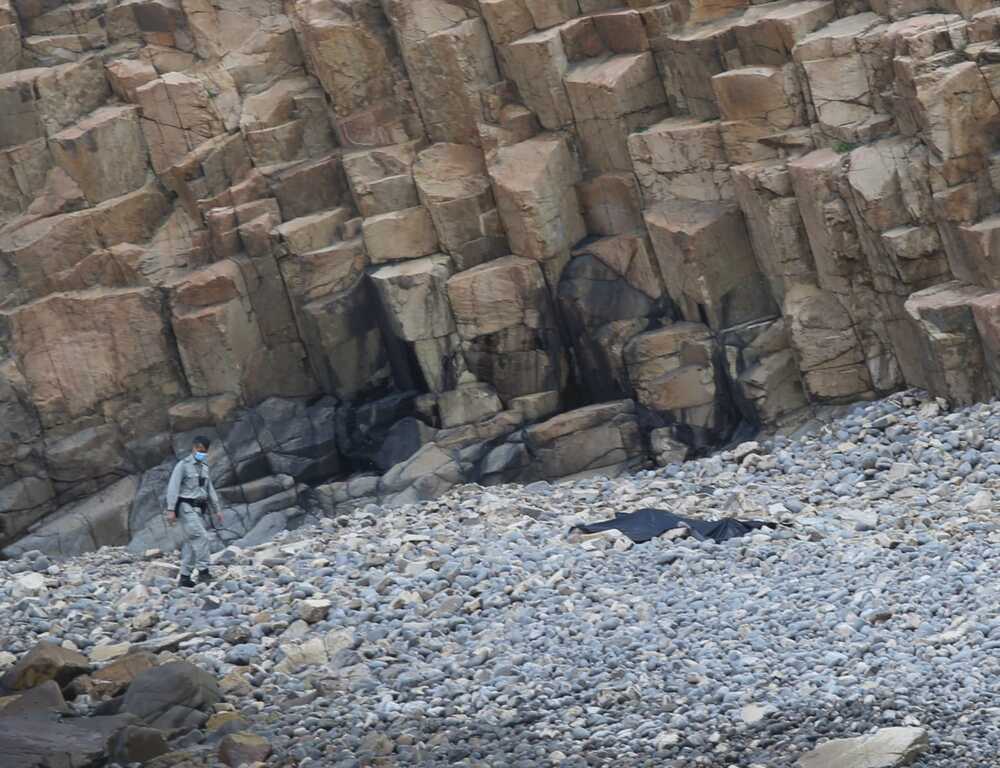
645, 524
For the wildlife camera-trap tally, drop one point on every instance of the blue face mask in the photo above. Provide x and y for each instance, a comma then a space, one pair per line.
200, 455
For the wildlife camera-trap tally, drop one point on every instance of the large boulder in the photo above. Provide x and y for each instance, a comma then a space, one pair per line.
42, 663
113, 679
601, 439
886, 748
100, 520
945, 355
171, 696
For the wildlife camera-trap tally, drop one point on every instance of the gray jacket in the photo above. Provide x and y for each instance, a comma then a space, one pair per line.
190, 480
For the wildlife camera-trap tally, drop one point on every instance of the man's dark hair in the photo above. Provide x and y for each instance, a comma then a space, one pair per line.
203, 441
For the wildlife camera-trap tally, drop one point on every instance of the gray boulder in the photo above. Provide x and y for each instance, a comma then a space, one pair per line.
172, 697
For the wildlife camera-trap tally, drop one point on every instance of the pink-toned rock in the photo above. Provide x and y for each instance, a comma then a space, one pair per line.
681, 158
381, 180
504, 316
448, 54
673, 372
321, 198
707, 263
538, 64
976, 256
598, 439
217, 334
986, 313
774, 223
118, 337
761, 363
455, 189
611, 204
507, 20
105, 154
761, 108
178, 115
406, 234
826, 345
611, 98
838, 81
535, 184
357, 62
946, 356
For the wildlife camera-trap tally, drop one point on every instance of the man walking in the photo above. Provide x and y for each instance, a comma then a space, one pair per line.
190, 494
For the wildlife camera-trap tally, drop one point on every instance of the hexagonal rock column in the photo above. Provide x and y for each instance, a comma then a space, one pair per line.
332, 300
760, 103
826, 345
674, 374
609, 292
946, 356
455, 188
975, 257
105, 153
10, 39
611, 98
415, 301
763, 371
406, 234
764, 192
118, 337
352, 52
178, 115
535, 184
681, 158
707, 263
838, 79
986, 312
217, 333
449, 57
816, 178
381, 179
767, 33
611, 203
507, 323
538, 64
691, 55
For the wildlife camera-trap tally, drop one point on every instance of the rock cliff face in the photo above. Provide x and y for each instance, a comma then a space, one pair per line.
393, 246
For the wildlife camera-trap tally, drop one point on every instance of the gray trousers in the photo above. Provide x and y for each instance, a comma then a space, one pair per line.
196, 547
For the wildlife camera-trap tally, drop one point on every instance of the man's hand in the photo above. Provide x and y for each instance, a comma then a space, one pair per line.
219, 519
171, 516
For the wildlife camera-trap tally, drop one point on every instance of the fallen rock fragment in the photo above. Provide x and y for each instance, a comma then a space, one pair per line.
45, 662
243, 748
311, 611
886, 748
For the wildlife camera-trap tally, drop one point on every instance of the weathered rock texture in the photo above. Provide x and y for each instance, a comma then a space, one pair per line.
375, 245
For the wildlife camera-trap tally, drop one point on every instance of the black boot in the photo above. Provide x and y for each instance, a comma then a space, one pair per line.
204, 577
185, 581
